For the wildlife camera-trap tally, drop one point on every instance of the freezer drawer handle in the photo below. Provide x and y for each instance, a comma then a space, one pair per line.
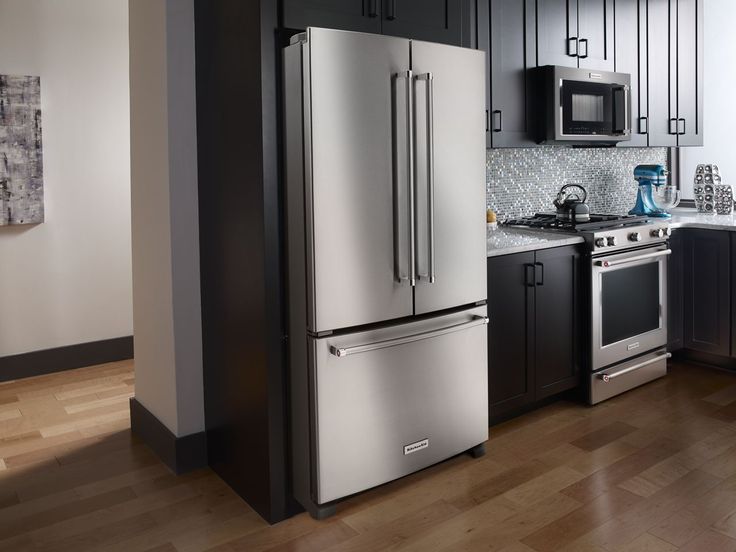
429, 80
345, 351
662, 253
608, 377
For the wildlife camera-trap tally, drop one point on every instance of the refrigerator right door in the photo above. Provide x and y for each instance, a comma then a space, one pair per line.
357, 178
450, 153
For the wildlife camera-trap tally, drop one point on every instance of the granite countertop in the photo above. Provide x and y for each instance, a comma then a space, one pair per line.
505, 240
690, 218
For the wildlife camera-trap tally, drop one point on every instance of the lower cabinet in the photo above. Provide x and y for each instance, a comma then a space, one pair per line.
707, 323
533, 338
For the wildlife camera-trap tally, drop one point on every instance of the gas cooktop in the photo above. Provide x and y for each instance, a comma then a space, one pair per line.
603, 233
549, 221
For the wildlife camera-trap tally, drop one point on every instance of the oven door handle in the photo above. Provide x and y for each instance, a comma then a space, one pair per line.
607, 264
608, 377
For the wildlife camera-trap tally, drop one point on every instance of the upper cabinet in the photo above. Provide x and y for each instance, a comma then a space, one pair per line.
507, 34
675, 47
349, 15
575, 33
430, 20
445, 21
631, 57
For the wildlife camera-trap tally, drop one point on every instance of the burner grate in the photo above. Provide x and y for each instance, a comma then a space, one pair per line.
549, 221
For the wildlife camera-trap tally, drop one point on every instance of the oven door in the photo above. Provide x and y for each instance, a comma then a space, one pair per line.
629, 307
590, 109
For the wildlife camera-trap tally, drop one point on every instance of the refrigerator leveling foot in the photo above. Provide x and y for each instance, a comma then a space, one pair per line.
478, 451
322, 511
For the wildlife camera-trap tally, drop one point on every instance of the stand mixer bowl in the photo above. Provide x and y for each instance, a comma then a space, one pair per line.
666, 197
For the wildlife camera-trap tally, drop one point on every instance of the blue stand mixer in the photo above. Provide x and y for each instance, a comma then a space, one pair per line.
649, 177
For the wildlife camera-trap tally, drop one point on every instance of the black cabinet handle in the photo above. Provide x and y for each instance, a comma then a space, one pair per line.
497, 121
539, 280
684, 126
673, 126
372, 8
391, 12
572, 46
643, 125
529, 275
584, 41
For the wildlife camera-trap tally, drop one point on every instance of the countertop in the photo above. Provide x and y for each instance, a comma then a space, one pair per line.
505, 241
690, 218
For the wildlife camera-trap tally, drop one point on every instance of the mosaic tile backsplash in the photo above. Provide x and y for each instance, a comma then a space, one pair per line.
521, 182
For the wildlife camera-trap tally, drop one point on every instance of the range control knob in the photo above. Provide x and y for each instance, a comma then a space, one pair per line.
668, 231
612, 241
601, 242
635, 237
658, 233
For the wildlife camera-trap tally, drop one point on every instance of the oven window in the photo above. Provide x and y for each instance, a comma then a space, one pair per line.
629, 302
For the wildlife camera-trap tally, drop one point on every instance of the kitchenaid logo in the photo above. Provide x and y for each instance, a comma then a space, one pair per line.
633, 346
414, 447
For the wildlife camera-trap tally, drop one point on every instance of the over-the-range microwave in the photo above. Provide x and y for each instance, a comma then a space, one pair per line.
580, 106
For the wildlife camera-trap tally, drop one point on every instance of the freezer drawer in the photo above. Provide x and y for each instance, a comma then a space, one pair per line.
389, 402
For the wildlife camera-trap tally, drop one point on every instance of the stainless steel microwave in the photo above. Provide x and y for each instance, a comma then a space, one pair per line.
580, 106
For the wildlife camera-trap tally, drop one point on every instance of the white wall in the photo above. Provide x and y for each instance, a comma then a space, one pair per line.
168, 334
719, 86
68, 281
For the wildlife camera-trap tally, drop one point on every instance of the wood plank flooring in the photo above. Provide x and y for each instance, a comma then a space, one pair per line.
653, 470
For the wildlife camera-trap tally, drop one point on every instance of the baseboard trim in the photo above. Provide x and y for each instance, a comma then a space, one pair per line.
38, 363
180, 454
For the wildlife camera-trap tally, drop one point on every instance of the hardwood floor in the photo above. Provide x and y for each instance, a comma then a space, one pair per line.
652, 470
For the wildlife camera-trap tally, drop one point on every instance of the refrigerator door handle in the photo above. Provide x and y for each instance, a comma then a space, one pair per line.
399, 274
429, 82
341, 352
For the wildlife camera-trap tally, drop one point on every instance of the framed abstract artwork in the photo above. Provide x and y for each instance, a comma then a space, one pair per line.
21, 151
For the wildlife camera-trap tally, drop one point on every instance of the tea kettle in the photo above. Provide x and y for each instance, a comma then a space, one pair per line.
570, 203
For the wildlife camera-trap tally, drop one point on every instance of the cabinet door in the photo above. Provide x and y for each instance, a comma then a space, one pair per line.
631, 57
349, 15
557, 32
661, 23
430, 20
690, 72
596, 32
510, 333
707, 326
558, 311
675, 291
510, 52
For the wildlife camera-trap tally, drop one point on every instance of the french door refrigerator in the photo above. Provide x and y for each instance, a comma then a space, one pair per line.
385, 185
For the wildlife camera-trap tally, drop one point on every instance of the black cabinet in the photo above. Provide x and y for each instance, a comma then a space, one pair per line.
631, 57
510, 333
676, 292
533, 338
575, 33
431, 20
446, 21
349, 15
507, 34
707, 297
675, 32
558, 312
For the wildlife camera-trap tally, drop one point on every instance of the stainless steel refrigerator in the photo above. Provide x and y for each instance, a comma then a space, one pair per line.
385, 184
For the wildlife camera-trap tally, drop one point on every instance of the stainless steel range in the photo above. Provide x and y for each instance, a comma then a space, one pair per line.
627, 295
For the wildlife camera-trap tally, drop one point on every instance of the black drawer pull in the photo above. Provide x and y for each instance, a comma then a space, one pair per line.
372, 8
497, 121
391, 15
584, 41
684, 126
572, 41
643, 125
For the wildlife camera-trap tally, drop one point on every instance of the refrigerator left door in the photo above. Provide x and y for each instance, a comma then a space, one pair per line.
357, 179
